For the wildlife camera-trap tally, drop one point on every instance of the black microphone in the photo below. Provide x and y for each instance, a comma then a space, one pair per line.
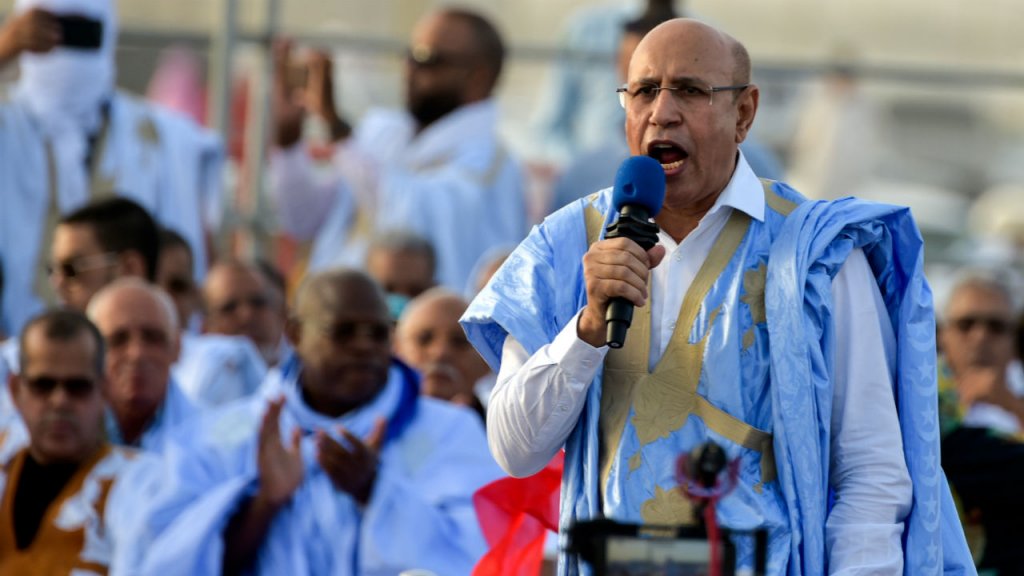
638, 195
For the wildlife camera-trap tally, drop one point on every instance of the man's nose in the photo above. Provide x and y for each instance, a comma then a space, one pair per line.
665, 110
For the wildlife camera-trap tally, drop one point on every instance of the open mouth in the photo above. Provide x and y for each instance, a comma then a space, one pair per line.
669, 155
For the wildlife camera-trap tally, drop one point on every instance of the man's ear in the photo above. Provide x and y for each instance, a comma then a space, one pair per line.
131, 263
746, 110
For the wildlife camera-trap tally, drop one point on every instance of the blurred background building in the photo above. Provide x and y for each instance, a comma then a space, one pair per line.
917, 102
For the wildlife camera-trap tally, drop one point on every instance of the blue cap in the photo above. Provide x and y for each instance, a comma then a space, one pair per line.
640, 181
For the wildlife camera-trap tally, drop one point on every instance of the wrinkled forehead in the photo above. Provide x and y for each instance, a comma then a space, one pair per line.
683, 50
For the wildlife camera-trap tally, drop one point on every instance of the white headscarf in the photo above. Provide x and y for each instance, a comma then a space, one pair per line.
66, 88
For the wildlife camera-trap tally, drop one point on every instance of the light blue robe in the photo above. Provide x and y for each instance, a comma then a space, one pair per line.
166, 163
784, 389
454, 184
175, 410
214, 370
420, 514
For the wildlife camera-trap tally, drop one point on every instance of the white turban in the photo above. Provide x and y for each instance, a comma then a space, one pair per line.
65, 88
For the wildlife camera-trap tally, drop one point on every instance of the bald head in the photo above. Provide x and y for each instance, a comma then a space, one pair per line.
342, 334
135, 289
430, 339
140, 325
670, 38
336, 290
694, 128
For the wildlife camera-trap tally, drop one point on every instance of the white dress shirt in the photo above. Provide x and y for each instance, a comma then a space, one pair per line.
538, 399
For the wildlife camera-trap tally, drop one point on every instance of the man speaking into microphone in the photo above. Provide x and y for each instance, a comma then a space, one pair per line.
797, 335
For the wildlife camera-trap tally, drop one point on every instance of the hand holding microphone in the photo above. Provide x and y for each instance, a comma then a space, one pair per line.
615, 269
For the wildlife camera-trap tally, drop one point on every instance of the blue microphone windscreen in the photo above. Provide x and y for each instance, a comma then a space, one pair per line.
640, 181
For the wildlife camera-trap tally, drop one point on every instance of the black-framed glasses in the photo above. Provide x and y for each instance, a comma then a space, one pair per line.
43, 386
76, 266
992, 324
687, 95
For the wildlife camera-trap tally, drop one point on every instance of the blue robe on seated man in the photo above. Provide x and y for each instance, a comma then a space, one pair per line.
419, 515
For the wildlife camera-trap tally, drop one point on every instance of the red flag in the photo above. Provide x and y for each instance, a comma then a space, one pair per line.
515, 515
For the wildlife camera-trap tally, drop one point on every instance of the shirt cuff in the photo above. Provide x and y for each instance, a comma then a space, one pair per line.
577, 358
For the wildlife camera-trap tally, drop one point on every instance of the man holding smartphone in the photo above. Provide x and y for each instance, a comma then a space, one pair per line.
68, 136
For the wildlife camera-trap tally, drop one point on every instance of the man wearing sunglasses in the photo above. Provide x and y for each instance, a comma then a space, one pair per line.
977, 336
437, 168
55, 490
982, 452
341, 467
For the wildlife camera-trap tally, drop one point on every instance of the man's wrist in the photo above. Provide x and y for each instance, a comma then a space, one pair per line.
590, 328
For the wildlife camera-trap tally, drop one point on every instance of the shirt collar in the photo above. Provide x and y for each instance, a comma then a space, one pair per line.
743, 192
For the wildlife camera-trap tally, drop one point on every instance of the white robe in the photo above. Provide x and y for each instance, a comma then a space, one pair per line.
454, 183
213, 370
420, 514
175, 410
168, 164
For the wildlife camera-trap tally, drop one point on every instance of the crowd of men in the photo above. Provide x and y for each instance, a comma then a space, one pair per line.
170, 412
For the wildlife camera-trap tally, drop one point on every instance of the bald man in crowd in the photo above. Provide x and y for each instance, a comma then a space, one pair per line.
140, 326
340, 467
428, 338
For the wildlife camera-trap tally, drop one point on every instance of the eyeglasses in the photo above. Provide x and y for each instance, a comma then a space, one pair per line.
421, 56
688, 96
43, 386
256, 302
346, 332
75, 267
993, 325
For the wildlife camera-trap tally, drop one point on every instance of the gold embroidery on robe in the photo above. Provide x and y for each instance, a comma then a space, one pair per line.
668, 507
662, 401
753, 288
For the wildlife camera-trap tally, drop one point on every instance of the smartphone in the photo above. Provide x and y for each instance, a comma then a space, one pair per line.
80, 32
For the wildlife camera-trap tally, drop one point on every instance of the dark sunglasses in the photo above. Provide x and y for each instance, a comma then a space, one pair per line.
43, 386
996, 326
75, 267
